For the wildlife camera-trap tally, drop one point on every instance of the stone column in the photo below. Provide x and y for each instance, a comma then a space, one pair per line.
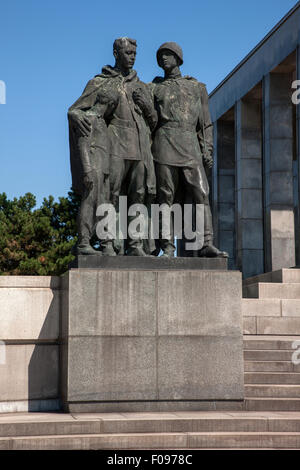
278, 172
214, 187
249, 198
225, 177
297, 162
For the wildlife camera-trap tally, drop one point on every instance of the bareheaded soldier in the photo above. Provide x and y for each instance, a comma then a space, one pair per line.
131, 162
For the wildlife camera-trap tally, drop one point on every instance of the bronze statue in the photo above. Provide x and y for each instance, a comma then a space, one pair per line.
131, 162
110, 130
183, 142
89, 151
111, 127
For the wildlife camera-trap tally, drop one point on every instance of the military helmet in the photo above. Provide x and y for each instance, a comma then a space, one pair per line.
173, 47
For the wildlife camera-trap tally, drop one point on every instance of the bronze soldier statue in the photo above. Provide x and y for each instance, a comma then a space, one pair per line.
131, 162
110, 147
89, 152
183, 142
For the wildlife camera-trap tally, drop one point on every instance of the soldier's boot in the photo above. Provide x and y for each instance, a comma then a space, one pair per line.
84, 248
209, 250
168, 251
136, 252
135, 245
108, 248
135, 248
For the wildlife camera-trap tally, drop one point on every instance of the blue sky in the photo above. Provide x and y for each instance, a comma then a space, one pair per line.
50, 49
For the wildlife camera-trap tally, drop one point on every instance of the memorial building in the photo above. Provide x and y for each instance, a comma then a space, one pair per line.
255, 181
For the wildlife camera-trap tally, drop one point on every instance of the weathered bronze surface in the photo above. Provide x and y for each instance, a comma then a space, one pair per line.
183, 142
112, 127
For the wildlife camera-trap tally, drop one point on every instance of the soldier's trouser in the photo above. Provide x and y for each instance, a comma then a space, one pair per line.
129, 175
168, 179
92, 197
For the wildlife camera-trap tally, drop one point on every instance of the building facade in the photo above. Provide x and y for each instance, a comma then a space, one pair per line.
256, 175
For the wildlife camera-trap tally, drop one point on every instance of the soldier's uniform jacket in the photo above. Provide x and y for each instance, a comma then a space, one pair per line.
184, 131
129, 130
96, 103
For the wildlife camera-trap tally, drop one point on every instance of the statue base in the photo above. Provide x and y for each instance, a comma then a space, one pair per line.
146, 338
147, 263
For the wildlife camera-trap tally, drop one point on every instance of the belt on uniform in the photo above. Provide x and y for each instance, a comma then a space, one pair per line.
125, 123
178, 125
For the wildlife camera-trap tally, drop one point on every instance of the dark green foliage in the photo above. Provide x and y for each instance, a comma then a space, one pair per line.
37, 241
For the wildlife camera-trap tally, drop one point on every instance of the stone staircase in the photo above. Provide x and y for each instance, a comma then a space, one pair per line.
272, 381
177, 430
271, 312
271, 304
269, 418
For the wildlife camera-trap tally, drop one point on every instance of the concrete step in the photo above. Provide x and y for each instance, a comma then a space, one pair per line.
270, 366
51, 427
269, 342
267, 440
261, 404
285, 275
261, 307
216, 422
268, 355
246, 440
272, 391
97, 442
177, 430
272, 404
127, 423
283, 378
266, 290
261, 325
271, 308
196, 440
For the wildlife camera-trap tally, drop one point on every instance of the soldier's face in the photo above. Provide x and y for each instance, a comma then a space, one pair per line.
167, 60
126, 56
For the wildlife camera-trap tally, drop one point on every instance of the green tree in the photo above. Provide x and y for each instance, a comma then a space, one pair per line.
37, 240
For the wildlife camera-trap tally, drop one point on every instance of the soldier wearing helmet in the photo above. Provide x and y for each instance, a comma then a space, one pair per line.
182, 142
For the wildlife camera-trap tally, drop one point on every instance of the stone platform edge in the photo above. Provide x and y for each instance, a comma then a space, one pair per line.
148, 263
154, 406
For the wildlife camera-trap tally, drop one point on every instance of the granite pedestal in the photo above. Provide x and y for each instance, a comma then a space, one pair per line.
151, 337
152, 263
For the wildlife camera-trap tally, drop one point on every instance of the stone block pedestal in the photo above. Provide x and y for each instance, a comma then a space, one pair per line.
150, 340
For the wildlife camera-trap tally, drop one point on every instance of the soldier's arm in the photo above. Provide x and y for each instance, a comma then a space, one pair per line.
144, 99
86, 101
151, 114
205, 133
88, 97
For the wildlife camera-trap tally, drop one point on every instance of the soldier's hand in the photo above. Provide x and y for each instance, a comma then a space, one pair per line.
139, 99
208, 161
82, 124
